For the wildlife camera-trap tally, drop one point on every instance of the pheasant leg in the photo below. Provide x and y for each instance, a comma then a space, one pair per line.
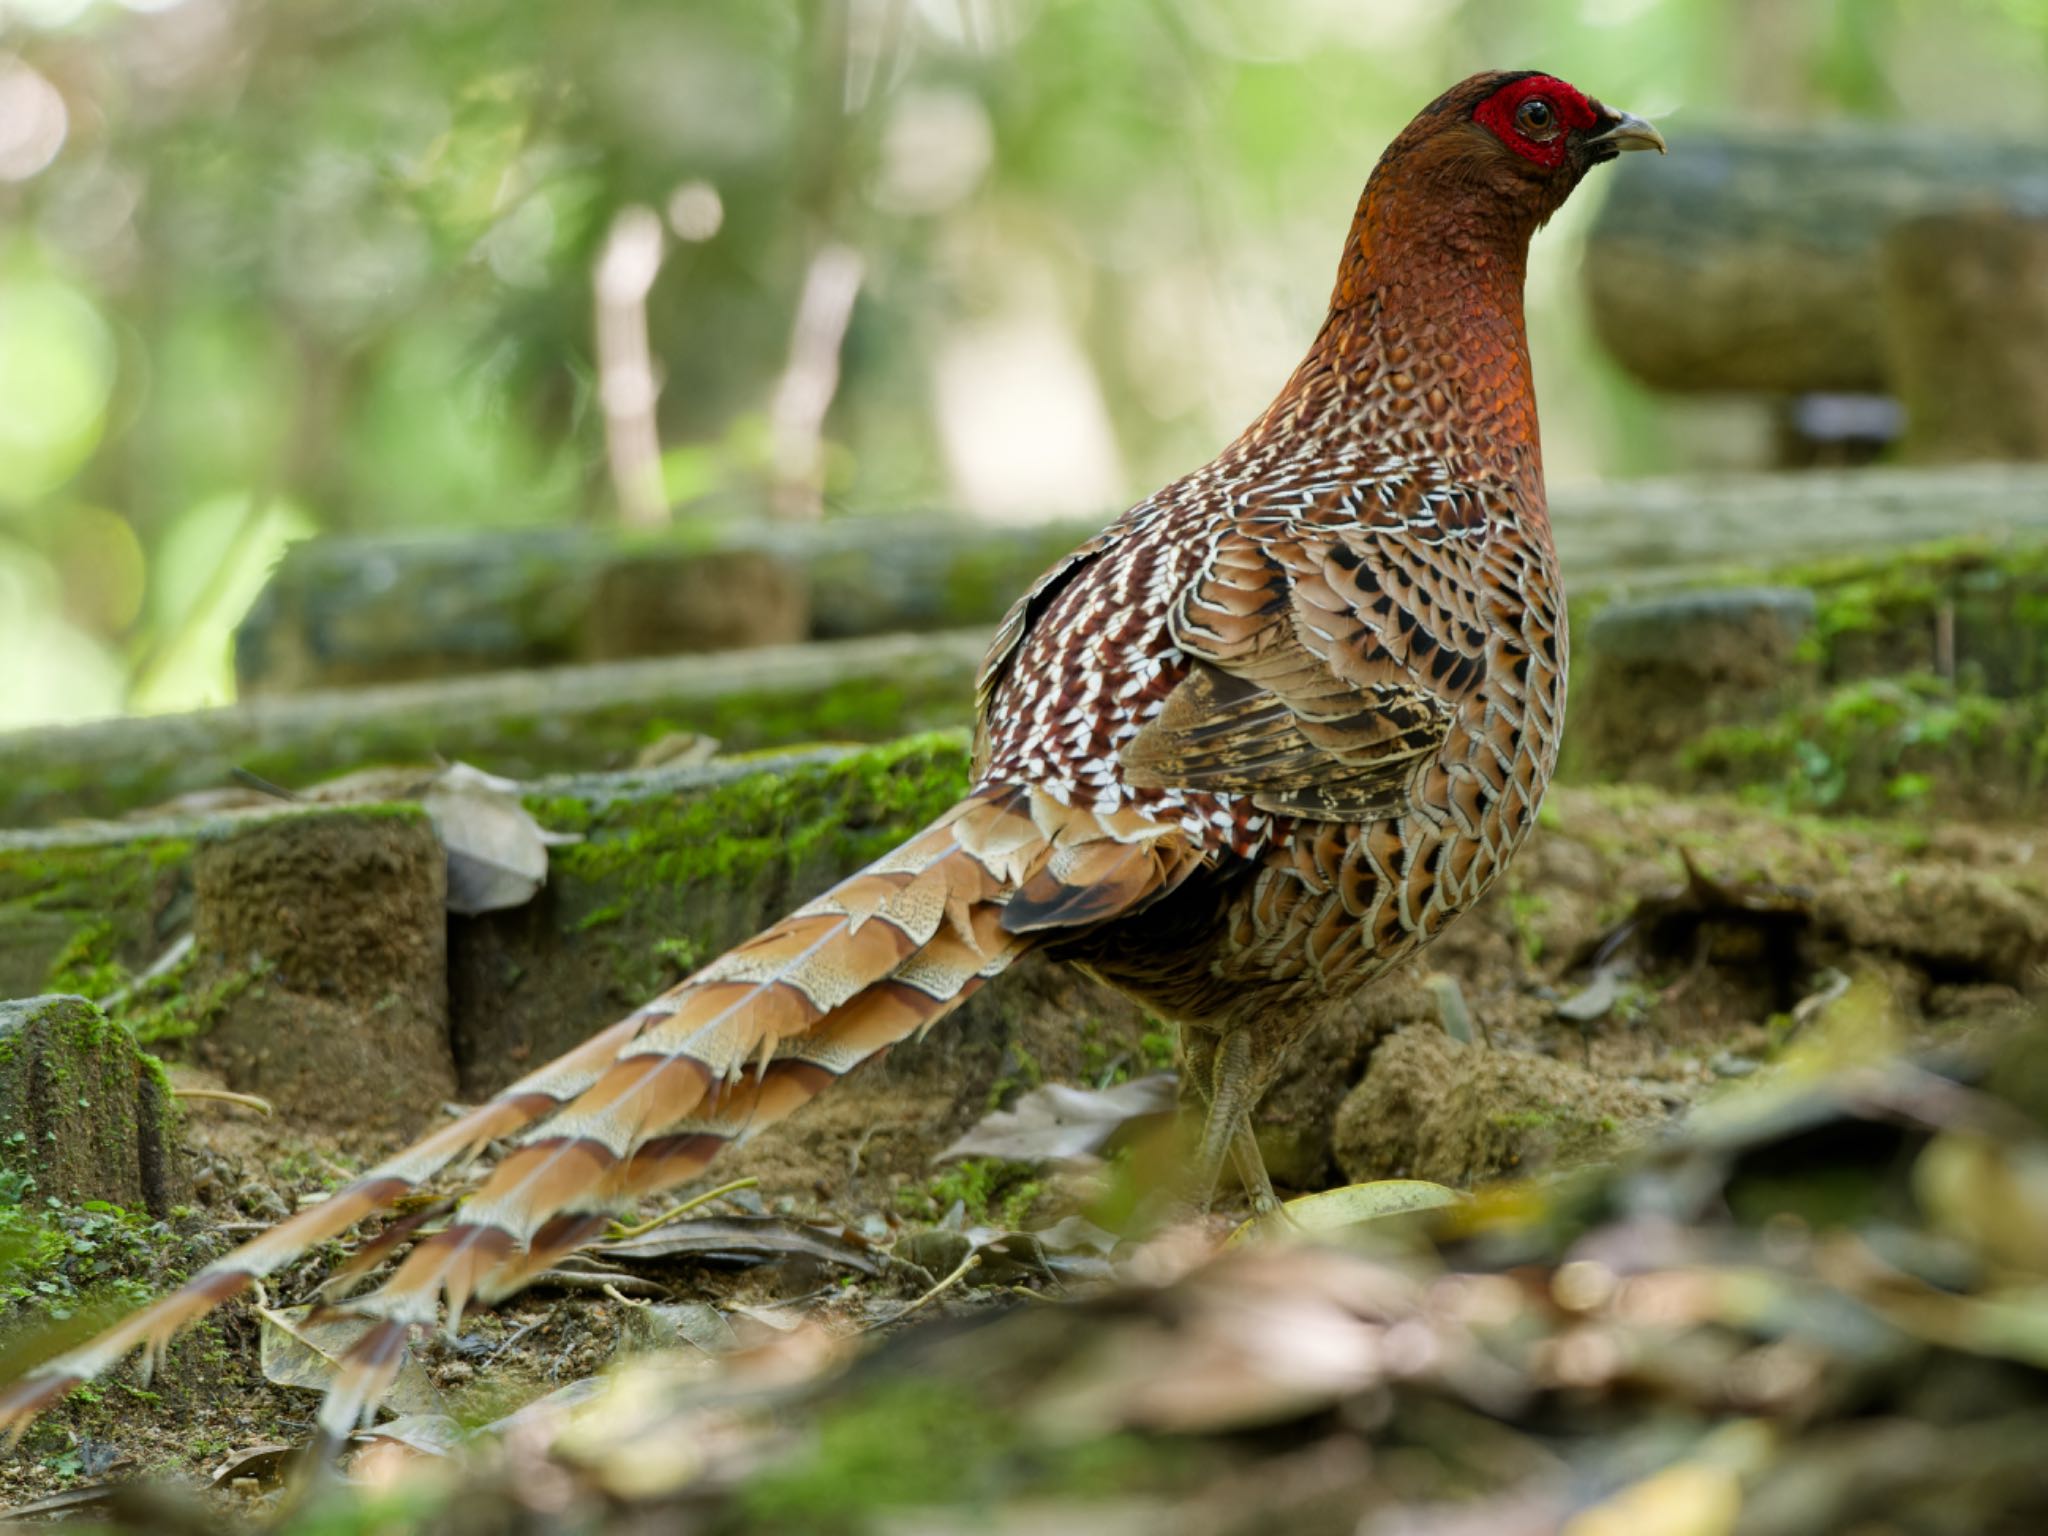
1251, 1172
1233, 1087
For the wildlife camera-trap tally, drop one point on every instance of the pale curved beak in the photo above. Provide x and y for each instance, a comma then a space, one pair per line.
1627, 131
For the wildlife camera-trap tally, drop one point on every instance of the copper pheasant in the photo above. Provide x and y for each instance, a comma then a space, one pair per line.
1252, 745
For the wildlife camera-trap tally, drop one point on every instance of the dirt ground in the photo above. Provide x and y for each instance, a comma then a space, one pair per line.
1644, 953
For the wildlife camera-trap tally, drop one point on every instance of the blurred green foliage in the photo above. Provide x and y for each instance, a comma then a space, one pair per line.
270, 267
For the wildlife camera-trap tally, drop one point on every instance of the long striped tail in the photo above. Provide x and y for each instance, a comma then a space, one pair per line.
649, 1102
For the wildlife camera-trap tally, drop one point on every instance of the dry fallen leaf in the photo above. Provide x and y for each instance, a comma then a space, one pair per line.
676, 749
257, 1463
1062, 1124
747, 1239
1595, 1000
1333, 1210
298, 1350
666, 1325
429, 1434
497, 852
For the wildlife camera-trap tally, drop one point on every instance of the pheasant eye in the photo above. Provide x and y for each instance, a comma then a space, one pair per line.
1536, 118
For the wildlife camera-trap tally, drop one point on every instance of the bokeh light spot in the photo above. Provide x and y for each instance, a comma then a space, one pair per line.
33, 121
56, 372
695, 211
102, 566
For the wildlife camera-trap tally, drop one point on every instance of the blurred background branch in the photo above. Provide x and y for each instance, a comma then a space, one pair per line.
796, 419
627, 385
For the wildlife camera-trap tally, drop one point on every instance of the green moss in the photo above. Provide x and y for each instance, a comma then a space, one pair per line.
1863, 594
843, 813
984, 579
1881, 745
685, 954
1881, 613
859, 709
600, 917
1107, 1058
920, 1443
1525, 1119
661, 882
55, 1258
989, 1190
1525, 910
168, 1007
86, 964
76, 1111
1969, 604
1157, 1045
80, 917
1931, 666
1021, 1072
68, 1271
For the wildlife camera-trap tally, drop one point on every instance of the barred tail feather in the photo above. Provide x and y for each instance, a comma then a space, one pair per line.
367, 1371
648, 1103
154, 1326
724, 1054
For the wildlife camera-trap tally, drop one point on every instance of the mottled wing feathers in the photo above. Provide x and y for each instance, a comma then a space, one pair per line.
1223, 731
1330, 641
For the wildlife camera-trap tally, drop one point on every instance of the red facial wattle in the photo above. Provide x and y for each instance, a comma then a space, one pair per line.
1574, 112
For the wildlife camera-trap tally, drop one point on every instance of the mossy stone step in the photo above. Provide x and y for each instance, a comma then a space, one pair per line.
522, 725
339, 917
84, 1114
341, 612
1875, 683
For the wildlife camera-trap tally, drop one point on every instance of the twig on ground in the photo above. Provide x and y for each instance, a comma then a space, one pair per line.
598, 1280
514, 1337
972, 1261
620, 1234
226, 1096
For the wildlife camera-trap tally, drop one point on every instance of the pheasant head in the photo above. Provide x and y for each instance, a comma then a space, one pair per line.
1504, 150
1424, 348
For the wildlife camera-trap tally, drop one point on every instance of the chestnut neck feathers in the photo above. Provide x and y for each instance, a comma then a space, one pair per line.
1424, 348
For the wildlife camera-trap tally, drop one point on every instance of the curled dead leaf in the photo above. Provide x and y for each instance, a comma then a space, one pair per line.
742, 1240
497, 852
301, 1349
1063, 1124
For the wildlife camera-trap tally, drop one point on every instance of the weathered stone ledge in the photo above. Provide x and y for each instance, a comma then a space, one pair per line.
1957, 617
1752, 258
1887, 682
341, 613
519, 724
